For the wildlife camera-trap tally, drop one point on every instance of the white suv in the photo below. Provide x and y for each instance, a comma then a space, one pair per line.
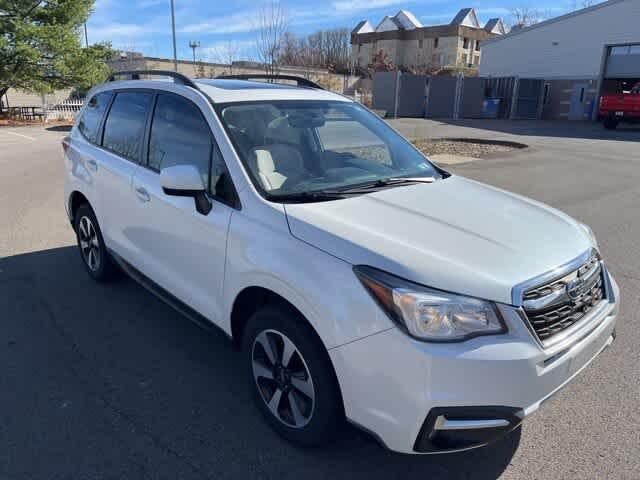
358, 279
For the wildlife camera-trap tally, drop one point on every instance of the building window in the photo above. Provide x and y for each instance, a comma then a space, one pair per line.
420, 43
465, 42
436, 41
476, 60
477, 45
441, 60
620, 50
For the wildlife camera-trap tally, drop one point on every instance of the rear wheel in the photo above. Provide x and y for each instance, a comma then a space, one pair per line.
610, 123
91, 245
291, 377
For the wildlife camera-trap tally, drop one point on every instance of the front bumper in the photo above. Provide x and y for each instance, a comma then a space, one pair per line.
398, 388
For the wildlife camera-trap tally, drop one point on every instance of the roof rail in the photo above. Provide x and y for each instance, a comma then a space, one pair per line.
135, 75
300, 81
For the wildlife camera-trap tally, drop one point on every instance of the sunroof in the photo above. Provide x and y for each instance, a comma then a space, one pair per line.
242, 84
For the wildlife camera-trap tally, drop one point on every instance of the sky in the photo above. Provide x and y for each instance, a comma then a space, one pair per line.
145, 25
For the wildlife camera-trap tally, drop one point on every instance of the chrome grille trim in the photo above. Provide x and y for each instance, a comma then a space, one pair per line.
517, 292
555, 304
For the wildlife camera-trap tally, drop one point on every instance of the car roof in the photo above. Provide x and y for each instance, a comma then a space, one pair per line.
233, 90
230, 90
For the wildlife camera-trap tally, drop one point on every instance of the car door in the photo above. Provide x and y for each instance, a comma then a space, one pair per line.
180, 249
85, 155
122, 143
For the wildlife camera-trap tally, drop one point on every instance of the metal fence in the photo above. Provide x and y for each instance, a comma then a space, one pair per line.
405, 95
66, 110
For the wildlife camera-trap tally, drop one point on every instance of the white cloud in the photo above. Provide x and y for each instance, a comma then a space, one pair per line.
114, 30
352, 6
240, 22
221, 50
495, 11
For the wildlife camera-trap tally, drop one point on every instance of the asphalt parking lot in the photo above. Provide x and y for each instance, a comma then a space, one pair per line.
105, 381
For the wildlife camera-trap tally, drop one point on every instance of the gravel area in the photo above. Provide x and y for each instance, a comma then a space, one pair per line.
464, 148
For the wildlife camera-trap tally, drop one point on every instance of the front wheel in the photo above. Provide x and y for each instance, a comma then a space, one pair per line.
291, 377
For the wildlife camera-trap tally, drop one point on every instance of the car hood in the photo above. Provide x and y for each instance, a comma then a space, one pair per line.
455, 234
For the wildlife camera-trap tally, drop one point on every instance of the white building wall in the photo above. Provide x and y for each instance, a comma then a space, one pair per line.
569, 47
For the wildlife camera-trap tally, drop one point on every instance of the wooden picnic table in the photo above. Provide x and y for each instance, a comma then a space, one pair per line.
26, 113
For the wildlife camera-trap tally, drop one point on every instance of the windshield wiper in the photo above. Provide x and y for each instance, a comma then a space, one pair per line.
386, 182
313, 196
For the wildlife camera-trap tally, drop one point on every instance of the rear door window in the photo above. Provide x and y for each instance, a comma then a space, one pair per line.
91, 119
125, 125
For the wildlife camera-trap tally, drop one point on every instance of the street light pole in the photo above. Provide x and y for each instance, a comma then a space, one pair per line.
173, 30
86, 37
193, 45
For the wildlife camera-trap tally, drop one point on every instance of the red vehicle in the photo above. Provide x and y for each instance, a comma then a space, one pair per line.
620, 107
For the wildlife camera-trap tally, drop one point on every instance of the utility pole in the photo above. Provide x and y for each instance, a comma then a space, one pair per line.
86, 37
173, 30
193, 45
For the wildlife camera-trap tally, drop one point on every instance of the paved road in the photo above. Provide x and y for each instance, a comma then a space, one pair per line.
102, 382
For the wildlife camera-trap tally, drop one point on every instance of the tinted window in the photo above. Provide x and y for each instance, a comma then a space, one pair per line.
291, 147
179, 135
363, 143
221, 185
124, 128
89, 124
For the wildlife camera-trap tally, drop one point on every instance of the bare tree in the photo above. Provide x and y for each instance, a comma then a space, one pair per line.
329, 49
272, 25
290, 51
580, 4
381, 63
226, 53
524, 16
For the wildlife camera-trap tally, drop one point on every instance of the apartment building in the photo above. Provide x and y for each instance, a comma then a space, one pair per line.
408, 44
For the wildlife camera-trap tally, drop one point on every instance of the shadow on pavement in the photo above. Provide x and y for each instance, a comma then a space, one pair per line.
106, 381
563, 129
60, 128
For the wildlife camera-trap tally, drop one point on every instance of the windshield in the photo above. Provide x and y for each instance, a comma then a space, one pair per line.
301, 147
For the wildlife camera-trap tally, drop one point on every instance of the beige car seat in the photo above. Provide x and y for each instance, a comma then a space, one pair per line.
274, 164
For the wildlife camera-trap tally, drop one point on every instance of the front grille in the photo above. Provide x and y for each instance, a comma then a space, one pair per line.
554, 306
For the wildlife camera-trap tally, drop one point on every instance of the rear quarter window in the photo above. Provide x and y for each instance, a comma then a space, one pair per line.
89, 123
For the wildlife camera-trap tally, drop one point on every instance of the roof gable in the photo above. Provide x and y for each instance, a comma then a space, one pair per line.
388, 24
407, 20
466, 17
363, 27
495, 26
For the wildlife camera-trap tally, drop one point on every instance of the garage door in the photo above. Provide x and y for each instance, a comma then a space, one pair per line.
623, 61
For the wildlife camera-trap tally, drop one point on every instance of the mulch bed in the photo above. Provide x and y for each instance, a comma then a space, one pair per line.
475, 148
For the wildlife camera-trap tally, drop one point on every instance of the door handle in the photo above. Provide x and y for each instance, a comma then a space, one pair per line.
93, 165
142, 194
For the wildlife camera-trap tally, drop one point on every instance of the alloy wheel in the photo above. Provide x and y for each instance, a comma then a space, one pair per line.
283, 379
89, 243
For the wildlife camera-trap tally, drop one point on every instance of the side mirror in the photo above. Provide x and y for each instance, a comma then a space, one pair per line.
186, 181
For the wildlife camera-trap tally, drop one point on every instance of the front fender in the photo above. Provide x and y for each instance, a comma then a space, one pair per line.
322, 287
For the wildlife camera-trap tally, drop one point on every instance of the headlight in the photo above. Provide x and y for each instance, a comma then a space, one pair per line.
428, 314
590, 233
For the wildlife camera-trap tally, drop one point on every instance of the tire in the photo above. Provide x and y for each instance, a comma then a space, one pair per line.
308, 377
91, 246
610, 123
